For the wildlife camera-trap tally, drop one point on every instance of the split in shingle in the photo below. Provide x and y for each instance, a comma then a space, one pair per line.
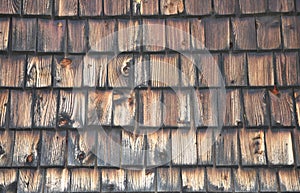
57, 180
3, 107
268, 180
188, 70
291, 32
140, 180
120, 7
8, 179
233, 116
38, 7
6, 148
268, 32
244, 33
145, 7
198, 7
129, 35
197, 33
171, 7
168, 180
234, 68
219, 179
193, 179
85, 180
245, 180
209, 74
178, 36
10, 7
24, 34
217, 34
4, 35
141, 71
12, 70
205, 145
224, 7
90, 7
281, 5
66, 7
154, 34
113, 180
76, 36
31, 180
252, 6
289, 180
95, 70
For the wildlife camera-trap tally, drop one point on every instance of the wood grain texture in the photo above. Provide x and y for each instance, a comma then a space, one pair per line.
260, 69
56, 180
24, 34
196, 7
39, 7
30, 180
53, 148
66, 7
85, 180
20, 109
267, 179
26, 148
178, 34
227, 148
6, 147
297, 146
113, 180
244, 33
255, 107
10, 7
4, 29
90, 7
39, 71
171, 7
219, 179
197, 33
45, 104
246, 180
129, 35
188, 70
252, 6
252, 144
297, 101
235, 69
51, 35
279, 147
217, 34
281, 6
3, 107
95, 70
287, 69
168, 179
12, 70
224, 7
289, 180
8, 180
233, 115
141, 71
140, 180
193, 179
291, 31
154, 36
120, 71
268, 32
145, 7
205, 146
77, 36
112, 7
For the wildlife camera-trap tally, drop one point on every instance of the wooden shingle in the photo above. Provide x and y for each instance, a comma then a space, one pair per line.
129, 35
85, 180
12, 70
76, 36
8, 180
297, 5
224, 7
141, 70
268, 32
95, 70
297, 146
113, 180
168, 180
291, 31
234, 68
281, 5
10, 7
66, 7
171, 7
90, 7
267, 179
289, 180
4, 29
205, 146
252, 6
24, 34
178, 37
154, 35
6, 148
193, 180
246, 180
198, 7
209, 74
145, 7
219, 179
217, 34
3, 107
140, 180
244, 33
57, 180
31, 180
120, 7
39, 7
297, 101
197, 33
188, 70
233, 116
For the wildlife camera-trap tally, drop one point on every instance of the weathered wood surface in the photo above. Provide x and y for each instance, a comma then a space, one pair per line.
197, 33
140, 180
171, 7
267, 179
219, 179
178, 37
24, 34
12, 70
145, 7
289, 180
30, 180
141, 70
10, 7
113, 180
168, 179
268, 32
205, 146
95, 70
6, 147
208, 70
234, 66
224, 7
120, 71
246, 180
26, 148
297, 5
85, 180
66, 7
252, 6
112, 7
39, 7
244, 33
291, 31
4, 29
188, 70
196, 7
56, 180
3, 107
53, 148
297, 146
233, 115
227, 148
282, 6
297, 101
8, 180
77, 36
129, 35
152, 41
45, 106
217, 34
90, 7
20, 109
193, 179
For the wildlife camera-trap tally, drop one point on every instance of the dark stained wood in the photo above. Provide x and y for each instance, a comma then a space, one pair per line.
260, 69
171, 7
217, 34
129, 35
45, 108
113, 180
39, 7
3, 107
219, 179
297, 146
30, 180
234, 68
8, 180
227, 148
141, 70
6, 147
76, 36
10, 7
245, 180
289, 180
178, 37
104, 29
51, 35
26, 148
66, 7
100, 108
252, 6
85, 180
120, 71
154, 36
224, 7
95, 70
12, 70
53, 148
4, 29
233, 115
279, 147
281, 6
193, 179
297, 101
255, 107
90, 7
197, 33
252, 144
205, 145
268, 32
291, 31
168, 179
188, 70
244, 33
20, 109
287, 69
140, 180
209, 74
24, 34
267, 179
297, 5
112, 7
145, 7
57, 180
39, 71
196, 7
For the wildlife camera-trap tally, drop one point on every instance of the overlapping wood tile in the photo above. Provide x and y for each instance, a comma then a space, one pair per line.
297, 101
129, 35
140, 180
281, 5
57, 180
113, 180
39, 7
178, 37
66, 7
268, 32
90, 7
8, 179
4, 28
224, 7
3, 107
171, 7
234, 111
6, 147
268, 180
289, 180
12, 70
197, 33
85, 180
196, 7
141, 71
246, 180
193, 179
252, 6
77, 36
168, 180
145, 7
209, 73
235, 69
188, 70
31, 180
205, 145
112, 7
152, 41
24, 34
291, 31
10, 7
219, 179
95, 70
297, 146
217, 34
244, 33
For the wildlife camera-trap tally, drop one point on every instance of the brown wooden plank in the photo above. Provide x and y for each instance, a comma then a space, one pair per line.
112, 7
252, 143
129, 35
6, 147
245, 180
217, 34
66, 7
20, 109
39, 7
252, 6
85, 180
219, 179
168, 179
209, 74
291, 31
279, 147
4, 29
234, 68
39, 71
297, 146
255, 107
100, 108
145, 7
140, 180
281, 6
57, 180
198, 7
30, 180
205, 145
152, 41
113, 180
188, 70
227, 148
244, 33
193, 180
289, 180
10, 7
224, 7
3, 107
71, 109
51, 35
267, 179
68, 71
141, 70
287, 69
77, 36
53, 148
178, 34
24, 34
90, 7
268, 32
45, 108
8, 180
197, 33
95, 70
171, 7
26, 148
297, 101
12, 70
233, 115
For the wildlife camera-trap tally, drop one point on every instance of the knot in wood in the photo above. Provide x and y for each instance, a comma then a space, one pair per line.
125, 68
29, 158
1, 150
66, 62
81, 156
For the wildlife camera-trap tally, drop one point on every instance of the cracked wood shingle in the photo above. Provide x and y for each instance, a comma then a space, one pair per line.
39, 7
268, 180
57, 180
145, 7
129, 35
268, 32
291, 31
10, 7
219, 179
140, 180
252, 6
205, 146
3, 107
178, 37
289, 180
224, 7
30, 180
4, 35
77, 36
246, 180
66, 7
141, 70
209, 74
120, 7
281, 6
95, 70
217, 34
152, 41
193, 179
85, 180
197, 33
24, 34
233, 115
6, 148
198, 7
244, 33
8, 180
90, 8
168, 179
188, 70
12, 70
234, 68
171, 7
113, 180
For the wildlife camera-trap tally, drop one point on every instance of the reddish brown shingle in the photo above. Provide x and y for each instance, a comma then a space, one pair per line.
244, 33
217, 34
268, 32
291, 31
